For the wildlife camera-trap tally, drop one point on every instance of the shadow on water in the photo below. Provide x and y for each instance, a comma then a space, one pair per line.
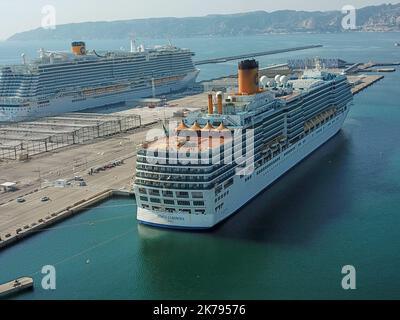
291, 212
295, 207
299, 204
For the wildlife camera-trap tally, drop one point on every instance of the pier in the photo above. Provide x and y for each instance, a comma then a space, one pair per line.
106, 164
16, 286
371, 67
254, 55
360, 83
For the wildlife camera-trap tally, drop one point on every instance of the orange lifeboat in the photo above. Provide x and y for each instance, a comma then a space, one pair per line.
195, 127
182, 127
208, 127
222, 128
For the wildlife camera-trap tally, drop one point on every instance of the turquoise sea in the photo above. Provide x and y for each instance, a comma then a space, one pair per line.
341, 206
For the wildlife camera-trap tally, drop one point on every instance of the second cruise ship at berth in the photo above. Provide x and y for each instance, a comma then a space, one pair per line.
216, 161
61, 82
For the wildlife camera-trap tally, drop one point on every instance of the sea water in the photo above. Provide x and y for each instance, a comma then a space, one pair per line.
341, 206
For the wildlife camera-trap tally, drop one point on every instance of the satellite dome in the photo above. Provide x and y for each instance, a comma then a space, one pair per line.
277, 78
264, 81
284, 80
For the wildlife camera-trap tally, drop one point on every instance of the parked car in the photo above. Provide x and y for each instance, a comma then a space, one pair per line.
45, 199
21, 200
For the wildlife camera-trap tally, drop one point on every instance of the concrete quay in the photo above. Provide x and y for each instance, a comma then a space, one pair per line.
362, 82
16, 286
36, 176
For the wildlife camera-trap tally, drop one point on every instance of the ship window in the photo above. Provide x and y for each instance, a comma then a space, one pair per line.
169, 210
186, 211
145, 206
144, 198
197, 195
154, 192
182, 194
170, 202
142, 191
184, 203
229, 183
200, 211
218, 190
168, 194
198, 203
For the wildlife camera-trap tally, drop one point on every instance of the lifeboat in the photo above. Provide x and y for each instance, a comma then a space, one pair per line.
208, 127
182, 127
195, 127
275, 146
222, 128
283, 140
266, 151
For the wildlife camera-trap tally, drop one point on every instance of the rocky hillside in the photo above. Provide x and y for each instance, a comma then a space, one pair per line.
374, 18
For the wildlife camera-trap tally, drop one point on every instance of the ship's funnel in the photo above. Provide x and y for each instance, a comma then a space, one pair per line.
79, 48
210, 104
248, 77
220, 105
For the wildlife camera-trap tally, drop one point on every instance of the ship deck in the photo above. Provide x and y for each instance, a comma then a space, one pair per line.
212, 141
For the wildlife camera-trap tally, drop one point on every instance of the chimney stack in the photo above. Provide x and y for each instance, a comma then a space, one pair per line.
210, 104
248, 77
219, 102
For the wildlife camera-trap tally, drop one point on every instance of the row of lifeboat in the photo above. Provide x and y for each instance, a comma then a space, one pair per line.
197, 128
108, 89
319, 119
275, 145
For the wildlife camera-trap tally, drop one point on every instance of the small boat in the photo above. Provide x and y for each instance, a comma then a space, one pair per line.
283, 141
274, 147
397, 44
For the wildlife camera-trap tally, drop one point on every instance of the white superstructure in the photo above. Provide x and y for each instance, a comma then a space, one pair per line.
217, 161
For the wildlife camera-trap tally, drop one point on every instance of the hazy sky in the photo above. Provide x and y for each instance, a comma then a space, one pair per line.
22, 15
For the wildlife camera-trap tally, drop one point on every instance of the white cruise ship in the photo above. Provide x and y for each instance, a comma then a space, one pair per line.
216, 161
60, 82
